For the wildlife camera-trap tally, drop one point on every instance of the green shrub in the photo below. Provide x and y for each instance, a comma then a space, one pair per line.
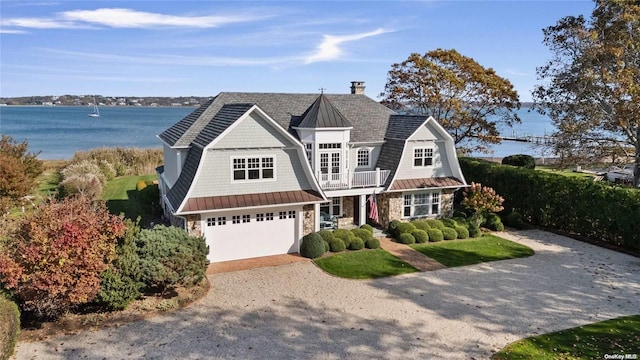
362, 234
121, 284
326, 246
312, 246
435, 224
435, 235
404, 228
521, 160
392, 226
514, 219
9, 327
421, 236
421, 224
493, 222
372, 243
474, 232
326, 235
356, 244
462, 231
367, 227
107, 169
449, 233
406, 238
169, 256
450, 223
345, 235
336, 245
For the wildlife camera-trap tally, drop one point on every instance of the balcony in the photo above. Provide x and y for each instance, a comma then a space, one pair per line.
353, 179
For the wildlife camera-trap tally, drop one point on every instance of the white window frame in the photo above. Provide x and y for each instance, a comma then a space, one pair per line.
260, 167
308, 147
366, 155
425, 158
333, 204
430, 200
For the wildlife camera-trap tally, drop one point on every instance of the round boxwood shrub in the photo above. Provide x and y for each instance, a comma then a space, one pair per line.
421, 224
449, 233
345, 235
521, 160
326, 235
326, 246
407, 238
356, 244
367, 227
9, 327
336, 245
421, 236
404, 228
493, 222
435, 235
474, 232
362, 234
462, 231
515, 220
450, 223
372, 243
392, 226
312, 246
461, 221
435, 224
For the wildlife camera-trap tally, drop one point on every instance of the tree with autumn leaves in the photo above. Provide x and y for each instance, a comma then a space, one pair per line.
54, 261
19, 169
591, 85
467, 99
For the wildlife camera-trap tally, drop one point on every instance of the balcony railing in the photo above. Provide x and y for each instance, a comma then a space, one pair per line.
353, 179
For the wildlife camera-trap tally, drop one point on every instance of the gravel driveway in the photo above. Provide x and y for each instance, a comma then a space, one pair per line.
297, 311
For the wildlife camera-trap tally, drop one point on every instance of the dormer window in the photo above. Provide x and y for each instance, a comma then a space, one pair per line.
363, 157
422, 157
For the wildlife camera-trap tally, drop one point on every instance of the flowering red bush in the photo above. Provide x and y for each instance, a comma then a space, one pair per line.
54, 261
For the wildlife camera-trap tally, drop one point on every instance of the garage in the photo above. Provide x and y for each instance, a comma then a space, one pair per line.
242, 234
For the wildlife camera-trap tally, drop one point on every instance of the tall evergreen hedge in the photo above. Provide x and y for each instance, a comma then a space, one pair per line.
574, 205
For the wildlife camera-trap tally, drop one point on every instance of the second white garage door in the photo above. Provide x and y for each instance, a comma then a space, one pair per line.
235, 235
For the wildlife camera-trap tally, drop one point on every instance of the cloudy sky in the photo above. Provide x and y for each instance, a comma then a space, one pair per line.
199, 48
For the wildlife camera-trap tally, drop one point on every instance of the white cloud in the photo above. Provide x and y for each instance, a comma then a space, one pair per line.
126, 18
329, 48
516, 72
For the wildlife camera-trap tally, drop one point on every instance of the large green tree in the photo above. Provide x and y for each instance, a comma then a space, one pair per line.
591, 86
466, 98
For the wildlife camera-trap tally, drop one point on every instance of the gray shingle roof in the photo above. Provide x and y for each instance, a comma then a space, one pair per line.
322, 114
368, 117
403, 126
389, 158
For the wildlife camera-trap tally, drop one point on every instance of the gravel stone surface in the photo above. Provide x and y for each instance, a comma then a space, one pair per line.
297, 311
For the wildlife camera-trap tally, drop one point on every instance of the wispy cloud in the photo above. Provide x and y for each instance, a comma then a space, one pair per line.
127, 18
330, 47
517, 73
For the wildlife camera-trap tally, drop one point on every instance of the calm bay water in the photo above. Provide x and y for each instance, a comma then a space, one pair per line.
59, 131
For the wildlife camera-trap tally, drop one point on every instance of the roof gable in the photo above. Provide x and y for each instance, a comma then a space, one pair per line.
322, 114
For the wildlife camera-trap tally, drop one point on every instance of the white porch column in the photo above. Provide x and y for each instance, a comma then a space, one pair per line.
316, 212
378, 177
363, 209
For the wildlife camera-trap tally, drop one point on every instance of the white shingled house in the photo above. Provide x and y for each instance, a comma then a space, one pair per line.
255, 172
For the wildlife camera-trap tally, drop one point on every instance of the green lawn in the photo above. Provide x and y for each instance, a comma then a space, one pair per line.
616, 336
564, 172
365, 264
473, 251
118, 195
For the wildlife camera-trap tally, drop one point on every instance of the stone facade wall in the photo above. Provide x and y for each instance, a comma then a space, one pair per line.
446, 203
389, 207
309, 219
347, 212
194, 225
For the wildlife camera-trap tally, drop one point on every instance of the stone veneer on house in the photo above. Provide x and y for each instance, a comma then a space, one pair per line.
347, 212
194, 225
309, 217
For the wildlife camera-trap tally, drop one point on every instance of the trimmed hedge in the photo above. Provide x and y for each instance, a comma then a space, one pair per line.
435, 224
421, 236
421, 224
493, 222
356, 244
312, 246
462, 231
362, 234
336, 245
474, 232
521, 160
404, 228
450, 223
326, 235
514, 220
435, 235
372, 243
367, 227
597, 211
449, 233
406, 238
9, 327
345, 235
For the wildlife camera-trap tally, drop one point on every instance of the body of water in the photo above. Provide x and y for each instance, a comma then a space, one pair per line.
60, 131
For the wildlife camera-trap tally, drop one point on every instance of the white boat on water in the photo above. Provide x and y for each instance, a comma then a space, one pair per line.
96, 112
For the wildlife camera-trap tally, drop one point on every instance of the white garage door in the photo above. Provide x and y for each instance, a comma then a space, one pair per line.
251, 233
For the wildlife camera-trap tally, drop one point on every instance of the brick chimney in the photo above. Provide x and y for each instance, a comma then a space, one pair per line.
357, 87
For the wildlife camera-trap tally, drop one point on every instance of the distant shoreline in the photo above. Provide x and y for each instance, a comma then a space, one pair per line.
103, 106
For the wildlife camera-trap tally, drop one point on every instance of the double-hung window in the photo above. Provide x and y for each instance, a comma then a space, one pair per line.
363, 157
422, 156
421, 204
253, 168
